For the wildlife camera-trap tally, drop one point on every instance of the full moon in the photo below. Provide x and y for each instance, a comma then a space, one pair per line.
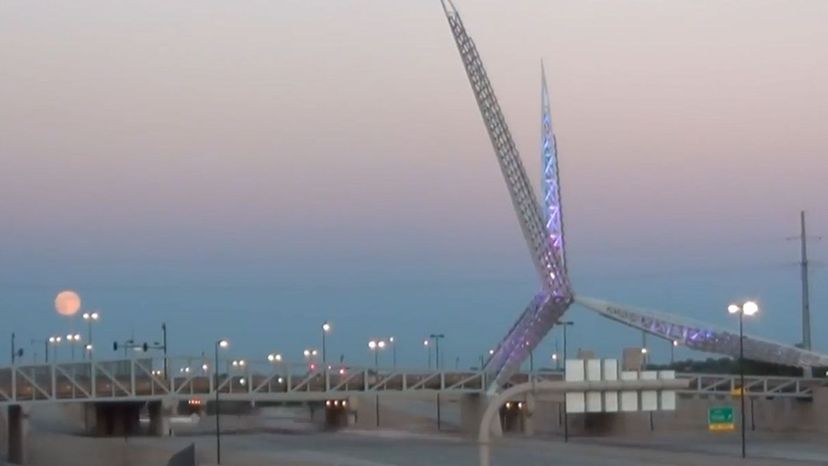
67, 303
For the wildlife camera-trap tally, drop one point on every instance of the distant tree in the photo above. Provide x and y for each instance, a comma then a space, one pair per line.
731, 366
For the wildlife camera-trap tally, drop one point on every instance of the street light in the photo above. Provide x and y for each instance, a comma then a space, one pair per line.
54, 341
90, 317
673, 351
437, 337
565, 324
274, 357
393, 352
427, 345
326, 329
72, 339
376, 346
748, 308
223, 343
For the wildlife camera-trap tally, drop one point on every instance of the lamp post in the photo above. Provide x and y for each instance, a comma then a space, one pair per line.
393, 352
673, 344
90, 317
54, 341
73, 339
223, 343
748, 308
437, 337
427, 345
164, 342
310, 357
326, 329
375, 346
565, 324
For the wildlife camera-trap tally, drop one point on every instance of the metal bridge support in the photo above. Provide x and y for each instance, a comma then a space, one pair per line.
18, 427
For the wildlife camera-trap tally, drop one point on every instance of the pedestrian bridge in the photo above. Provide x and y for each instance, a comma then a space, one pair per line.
145, 379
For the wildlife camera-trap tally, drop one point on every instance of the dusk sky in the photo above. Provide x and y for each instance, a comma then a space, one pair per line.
250, 169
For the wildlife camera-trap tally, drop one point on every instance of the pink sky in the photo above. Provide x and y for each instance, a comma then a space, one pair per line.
689, 132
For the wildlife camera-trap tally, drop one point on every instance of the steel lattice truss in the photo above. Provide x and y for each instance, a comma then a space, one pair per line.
702, 336
543, 232
546, 308
551, 180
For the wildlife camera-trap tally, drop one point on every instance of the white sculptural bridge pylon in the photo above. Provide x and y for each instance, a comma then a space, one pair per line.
543, 231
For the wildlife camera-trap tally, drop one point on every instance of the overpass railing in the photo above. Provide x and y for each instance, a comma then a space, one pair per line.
237, 379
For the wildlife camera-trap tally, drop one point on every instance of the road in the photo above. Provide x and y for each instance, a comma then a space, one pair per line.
388, 448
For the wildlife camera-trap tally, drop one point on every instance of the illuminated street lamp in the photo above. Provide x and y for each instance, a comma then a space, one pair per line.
376, 346
90, 317
223, 343
393, 352
427, 345
673, 351
748, 308
326, 329
73, 339
54, 341
274, 357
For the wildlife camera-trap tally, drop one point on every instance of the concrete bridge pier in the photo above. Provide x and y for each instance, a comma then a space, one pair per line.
472, 407
159, 417
18, 429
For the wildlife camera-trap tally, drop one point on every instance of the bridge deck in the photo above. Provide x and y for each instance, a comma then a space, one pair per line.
143, 378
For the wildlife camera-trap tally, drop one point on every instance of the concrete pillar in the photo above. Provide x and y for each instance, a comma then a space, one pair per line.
17, 433
365, 408
819, 408
159, 417
472, 407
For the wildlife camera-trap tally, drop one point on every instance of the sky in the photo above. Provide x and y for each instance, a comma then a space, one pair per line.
252, 169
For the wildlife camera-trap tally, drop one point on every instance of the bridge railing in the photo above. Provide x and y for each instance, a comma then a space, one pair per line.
137, 378
184, 377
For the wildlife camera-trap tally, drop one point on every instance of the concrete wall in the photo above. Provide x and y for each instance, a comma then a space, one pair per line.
768, 415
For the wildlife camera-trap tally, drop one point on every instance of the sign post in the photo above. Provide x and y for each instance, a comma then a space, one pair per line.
720, 419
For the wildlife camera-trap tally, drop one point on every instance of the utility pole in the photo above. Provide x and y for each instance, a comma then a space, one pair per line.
803, 270
806, 301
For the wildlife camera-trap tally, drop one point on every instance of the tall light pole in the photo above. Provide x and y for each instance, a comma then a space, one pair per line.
54, 341
90, 317
375, 346
73, 339
437, 337
326, 329
748, 308
164, 342
673, 344
393, 352
427, 345
223, 343
565, 324
310, 357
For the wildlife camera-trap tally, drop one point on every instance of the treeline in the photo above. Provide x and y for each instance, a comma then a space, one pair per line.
731, 366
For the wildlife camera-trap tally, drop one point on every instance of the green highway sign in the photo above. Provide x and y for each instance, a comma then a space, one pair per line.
720, 419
